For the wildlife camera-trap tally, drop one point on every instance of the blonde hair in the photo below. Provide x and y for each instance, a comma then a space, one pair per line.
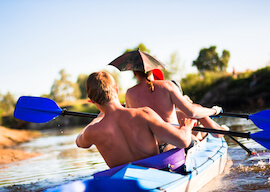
146, 75
101, 87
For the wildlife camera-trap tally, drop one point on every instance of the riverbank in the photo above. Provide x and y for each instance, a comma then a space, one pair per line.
243, 92
9, 138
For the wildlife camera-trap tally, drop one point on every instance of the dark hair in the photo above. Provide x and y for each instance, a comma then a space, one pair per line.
146, 75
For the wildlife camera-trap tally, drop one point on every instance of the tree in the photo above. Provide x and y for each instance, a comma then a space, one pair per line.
63, 89
82, 78
7, 103
141, 47
81, 82
224, 60
208, 60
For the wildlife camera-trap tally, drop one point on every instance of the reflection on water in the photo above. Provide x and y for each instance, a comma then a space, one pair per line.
61, 161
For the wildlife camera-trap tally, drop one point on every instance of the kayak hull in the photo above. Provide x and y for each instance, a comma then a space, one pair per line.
204, 161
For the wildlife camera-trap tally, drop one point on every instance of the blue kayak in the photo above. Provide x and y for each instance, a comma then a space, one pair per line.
169, 171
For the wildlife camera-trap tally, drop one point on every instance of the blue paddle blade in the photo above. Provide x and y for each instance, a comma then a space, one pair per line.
262, 137
36, 109
261, 119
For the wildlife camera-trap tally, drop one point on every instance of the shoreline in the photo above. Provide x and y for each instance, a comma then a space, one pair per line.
9, 138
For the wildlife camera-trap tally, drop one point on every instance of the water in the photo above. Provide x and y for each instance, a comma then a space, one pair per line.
61, 161
242, 172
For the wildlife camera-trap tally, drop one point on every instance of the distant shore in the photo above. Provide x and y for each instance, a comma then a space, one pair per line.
9, 138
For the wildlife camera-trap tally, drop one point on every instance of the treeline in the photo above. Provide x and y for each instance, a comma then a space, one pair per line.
63, 91
211, 85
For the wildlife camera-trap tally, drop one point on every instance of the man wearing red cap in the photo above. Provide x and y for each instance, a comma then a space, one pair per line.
164, 96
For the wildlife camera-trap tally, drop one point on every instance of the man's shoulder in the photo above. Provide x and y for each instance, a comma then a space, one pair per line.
163, 82
93, 126
166, 84
140, 110
131, 90
146, 111
144, 108
142, 114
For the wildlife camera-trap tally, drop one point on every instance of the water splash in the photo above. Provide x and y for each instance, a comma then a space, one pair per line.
259, 166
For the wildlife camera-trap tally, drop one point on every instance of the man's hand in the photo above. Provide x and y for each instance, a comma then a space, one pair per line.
187, 123
218, 109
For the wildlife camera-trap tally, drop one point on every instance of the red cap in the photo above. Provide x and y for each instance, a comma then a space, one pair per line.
158, 75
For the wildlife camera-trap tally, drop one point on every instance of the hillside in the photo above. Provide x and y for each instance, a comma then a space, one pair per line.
247, 92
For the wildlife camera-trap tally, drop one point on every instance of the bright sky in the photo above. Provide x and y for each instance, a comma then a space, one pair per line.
39, 38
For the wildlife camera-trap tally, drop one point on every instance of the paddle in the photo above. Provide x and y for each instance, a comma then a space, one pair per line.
242, 146
260, 119
41, 110
261, 137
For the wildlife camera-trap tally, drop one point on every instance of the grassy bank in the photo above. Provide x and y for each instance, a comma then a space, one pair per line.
238, 92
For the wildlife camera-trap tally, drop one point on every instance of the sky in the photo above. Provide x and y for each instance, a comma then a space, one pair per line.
39, 38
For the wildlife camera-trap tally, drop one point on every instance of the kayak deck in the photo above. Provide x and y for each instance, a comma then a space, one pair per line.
204, 161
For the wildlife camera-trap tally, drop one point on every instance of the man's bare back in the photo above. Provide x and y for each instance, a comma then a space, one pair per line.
110, 137
160, 100
126, 135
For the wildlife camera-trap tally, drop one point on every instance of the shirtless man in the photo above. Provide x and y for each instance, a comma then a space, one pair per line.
163, 96
122, 134
206, 121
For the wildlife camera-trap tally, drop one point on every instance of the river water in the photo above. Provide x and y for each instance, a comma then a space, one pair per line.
61, 161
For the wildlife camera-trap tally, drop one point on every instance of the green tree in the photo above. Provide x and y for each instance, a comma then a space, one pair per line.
224, 60
7, 103
81, 82
82, 78
63, 89
208, 60
141, 47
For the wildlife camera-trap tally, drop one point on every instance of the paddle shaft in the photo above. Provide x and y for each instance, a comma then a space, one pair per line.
237, 116
79, 114
241, 145
233, 115
230, 133
209, 130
